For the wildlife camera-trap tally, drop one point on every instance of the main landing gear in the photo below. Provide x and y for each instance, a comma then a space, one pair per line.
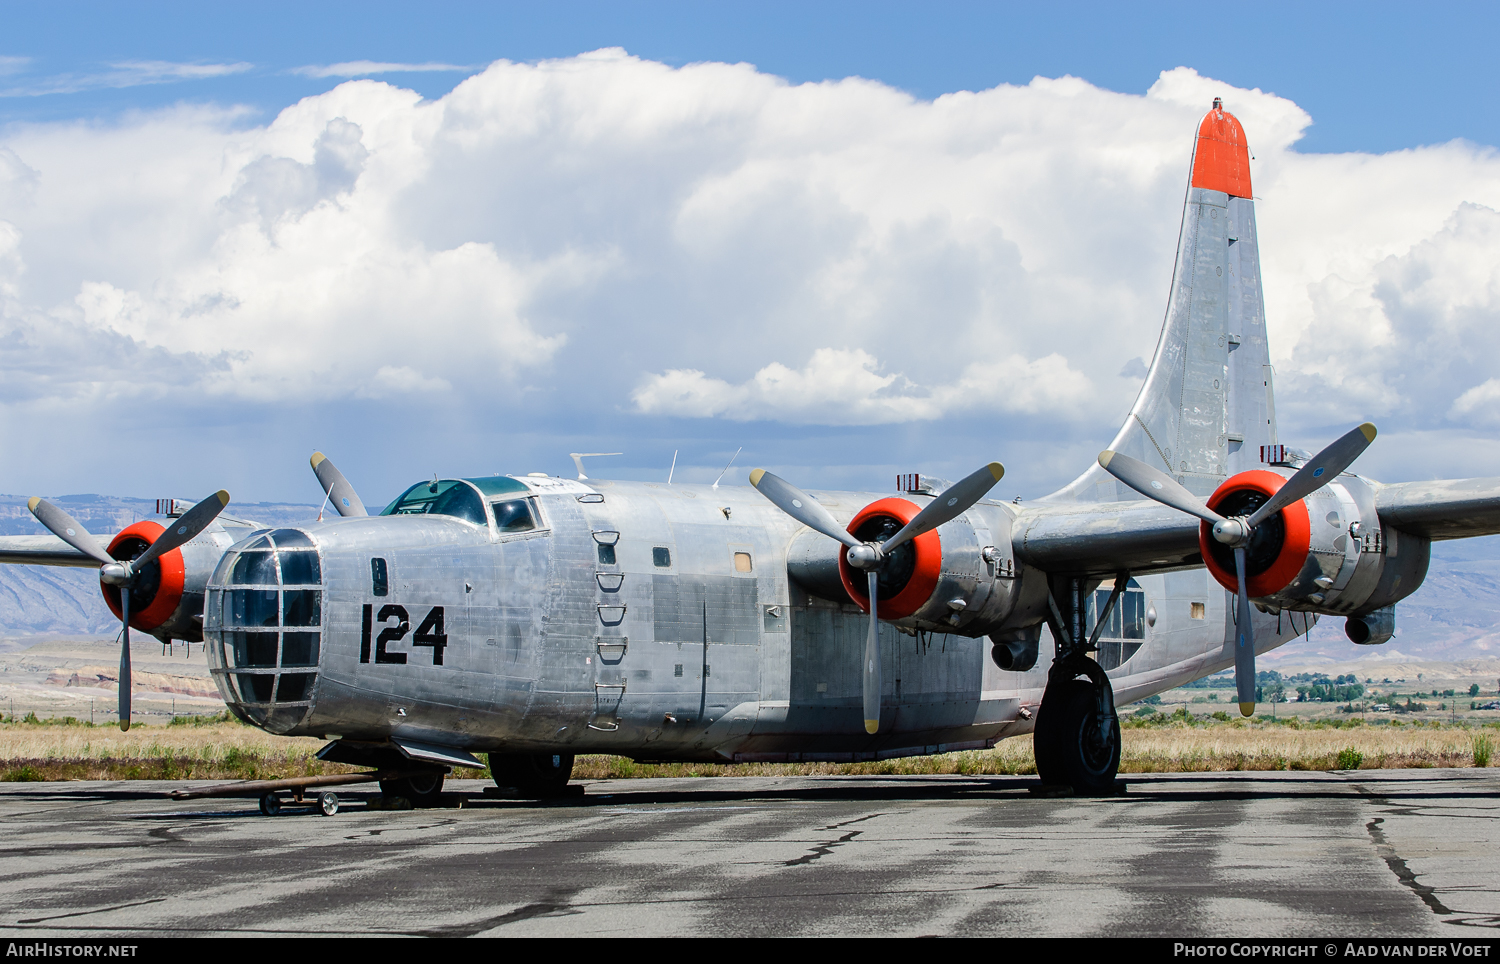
1077, 737
533, 775
423, 790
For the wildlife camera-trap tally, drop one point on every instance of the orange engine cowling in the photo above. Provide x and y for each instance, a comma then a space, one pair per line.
1278, 548
159, 587
908, 580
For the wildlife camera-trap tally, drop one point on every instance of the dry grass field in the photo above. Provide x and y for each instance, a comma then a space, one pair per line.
217, 748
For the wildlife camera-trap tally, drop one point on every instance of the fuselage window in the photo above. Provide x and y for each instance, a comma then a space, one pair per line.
606, 555
742, 562
379, 581
661, 556
514, 516
1124, 629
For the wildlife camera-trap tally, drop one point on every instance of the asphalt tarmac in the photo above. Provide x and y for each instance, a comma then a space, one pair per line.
1400, 853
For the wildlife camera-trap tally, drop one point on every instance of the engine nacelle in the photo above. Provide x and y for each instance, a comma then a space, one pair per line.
960, 578
167, 599
1327, 553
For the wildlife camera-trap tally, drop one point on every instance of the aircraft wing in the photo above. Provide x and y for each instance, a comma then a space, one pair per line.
1444, 509
42, 551
1104, 538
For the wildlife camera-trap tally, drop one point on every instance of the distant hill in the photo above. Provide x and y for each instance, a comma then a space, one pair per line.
1454, 616
36, 600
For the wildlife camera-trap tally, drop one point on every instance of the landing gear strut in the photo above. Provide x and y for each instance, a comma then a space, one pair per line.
1077, 738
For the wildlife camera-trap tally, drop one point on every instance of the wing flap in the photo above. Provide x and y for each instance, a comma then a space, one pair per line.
42, 551
1106, 537
1443, 509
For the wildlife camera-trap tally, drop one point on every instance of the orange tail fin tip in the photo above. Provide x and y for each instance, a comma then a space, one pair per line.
1221, 160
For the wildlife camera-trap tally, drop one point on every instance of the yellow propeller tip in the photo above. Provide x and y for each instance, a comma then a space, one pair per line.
1368, 431
223, 497
33, 502
1104, 458
1247, 709
755, 476
124, 726
871, 726
997, 470
318, 458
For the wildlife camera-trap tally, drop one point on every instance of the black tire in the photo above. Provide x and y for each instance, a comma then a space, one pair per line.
532, 774
1070, 748
422, 791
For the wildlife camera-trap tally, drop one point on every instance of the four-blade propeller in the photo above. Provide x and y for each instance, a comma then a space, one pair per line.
1235, 532
124, 572
872, 557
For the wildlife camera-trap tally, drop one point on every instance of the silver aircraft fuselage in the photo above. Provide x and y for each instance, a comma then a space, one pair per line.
658, 622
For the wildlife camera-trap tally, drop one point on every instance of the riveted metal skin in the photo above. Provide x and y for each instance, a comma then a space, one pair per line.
687, 622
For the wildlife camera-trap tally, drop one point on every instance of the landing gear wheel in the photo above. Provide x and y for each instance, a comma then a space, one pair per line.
270, 804
328, 803
1072, 747
422, 791
532, 774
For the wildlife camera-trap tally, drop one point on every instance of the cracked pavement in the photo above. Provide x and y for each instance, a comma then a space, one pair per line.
1367, 853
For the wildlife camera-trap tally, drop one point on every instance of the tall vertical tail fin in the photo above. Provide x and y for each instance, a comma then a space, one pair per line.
1206, 406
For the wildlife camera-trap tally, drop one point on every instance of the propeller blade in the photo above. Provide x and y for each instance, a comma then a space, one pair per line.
950, 504
339, 491
1244, 642
184, 528
1320, 470
800, 506
66, 528
1155, 484
124, 711
872, 664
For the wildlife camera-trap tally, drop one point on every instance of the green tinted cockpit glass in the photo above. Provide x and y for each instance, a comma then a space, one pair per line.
494, 485
449, 497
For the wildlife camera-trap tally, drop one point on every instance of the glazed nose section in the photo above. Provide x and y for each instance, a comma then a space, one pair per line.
263, 621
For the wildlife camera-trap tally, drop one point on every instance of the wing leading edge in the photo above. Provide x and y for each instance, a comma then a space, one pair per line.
1100, 538
42, 551
1443, 509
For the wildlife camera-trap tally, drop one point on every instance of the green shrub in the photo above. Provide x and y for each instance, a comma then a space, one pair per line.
1482, 750
1349, 759
22, 774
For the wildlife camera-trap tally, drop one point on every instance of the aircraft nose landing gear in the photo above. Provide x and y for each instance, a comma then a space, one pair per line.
1077, 736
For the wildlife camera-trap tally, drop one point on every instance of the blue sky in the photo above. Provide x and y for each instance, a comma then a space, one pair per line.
218, 253
1375, 76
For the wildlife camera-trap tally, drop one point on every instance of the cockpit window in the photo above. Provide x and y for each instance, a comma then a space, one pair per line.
513, 516
448, 497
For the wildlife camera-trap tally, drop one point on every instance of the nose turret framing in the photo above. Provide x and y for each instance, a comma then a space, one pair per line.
263, 622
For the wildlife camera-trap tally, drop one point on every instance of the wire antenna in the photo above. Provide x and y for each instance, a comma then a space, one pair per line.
726, 468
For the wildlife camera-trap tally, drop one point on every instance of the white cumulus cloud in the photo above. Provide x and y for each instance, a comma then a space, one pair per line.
605, 237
